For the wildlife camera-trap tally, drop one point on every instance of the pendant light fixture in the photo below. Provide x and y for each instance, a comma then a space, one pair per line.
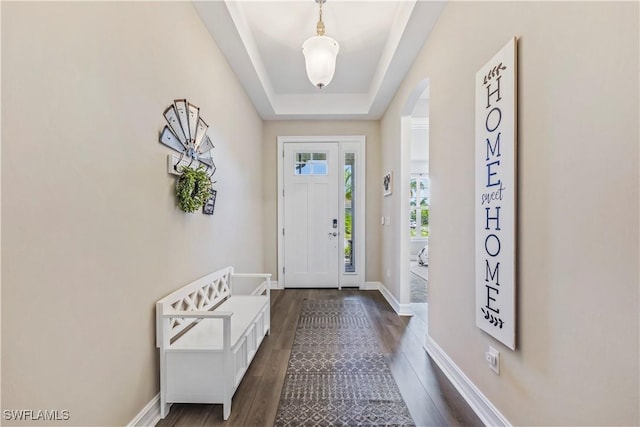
320, 55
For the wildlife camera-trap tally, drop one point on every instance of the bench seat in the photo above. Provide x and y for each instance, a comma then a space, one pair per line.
207, 334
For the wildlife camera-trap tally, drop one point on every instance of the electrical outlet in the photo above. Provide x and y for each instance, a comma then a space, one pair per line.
493, 359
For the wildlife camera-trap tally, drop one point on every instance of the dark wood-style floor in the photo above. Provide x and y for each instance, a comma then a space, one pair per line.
431, 398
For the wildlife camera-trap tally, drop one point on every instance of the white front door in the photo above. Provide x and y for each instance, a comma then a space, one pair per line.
311, 215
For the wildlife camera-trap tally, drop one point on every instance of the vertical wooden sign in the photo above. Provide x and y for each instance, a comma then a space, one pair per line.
495, 196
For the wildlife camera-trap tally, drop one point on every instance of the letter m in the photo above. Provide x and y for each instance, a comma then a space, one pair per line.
495, 150
488, 274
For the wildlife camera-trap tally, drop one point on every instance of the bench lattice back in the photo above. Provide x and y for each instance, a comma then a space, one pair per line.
204, 294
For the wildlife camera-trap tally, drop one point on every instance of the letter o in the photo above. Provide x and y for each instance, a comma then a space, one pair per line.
487, 245
486, 122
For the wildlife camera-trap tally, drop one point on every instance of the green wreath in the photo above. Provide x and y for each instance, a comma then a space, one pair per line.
192, 188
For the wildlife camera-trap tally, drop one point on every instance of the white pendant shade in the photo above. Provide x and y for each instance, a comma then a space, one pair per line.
320, 54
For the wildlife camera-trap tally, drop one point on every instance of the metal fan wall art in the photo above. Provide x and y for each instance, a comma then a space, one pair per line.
186, 133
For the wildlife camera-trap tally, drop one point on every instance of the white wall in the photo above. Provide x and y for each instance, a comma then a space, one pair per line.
371, 130
577, 357
91, 235
420, 150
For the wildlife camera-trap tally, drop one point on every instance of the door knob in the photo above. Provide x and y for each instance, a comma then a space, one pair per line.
334, 234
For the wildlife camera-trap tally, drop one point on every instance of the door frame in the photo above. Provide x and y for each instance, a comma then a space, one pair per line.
353, 143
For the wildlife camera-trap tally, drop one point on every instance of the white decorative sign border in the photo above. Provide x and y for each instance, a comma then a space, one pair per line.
495, 195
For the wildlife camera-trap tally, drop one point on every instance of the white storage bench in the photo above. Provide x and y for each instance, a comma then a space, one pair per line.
208, 333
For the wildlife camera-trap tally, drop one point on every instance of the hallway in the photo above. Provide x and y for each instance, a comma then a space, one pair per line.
418, 283
93, 233
431, 398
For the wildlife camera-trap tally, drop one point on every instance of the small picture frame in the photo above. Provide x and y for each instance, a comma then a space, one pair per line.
387, 184
210, 204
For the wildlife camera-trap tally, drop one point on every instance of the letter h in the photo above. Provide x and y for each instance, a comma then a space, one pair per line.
493, 218
489, 93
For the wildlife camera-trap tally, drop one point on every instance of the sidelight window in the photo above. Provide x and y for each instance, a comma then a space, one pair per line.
349, 206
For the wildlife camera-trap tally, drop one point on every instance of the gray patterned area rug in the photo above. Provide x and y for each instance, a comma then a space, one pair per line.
337, 375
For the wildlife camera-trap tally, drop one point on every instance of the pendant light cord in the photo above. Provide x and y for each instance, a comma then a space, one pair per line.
320, 26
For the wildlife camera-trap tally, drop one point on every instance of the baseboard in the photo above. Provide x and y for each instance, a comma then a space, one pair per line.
275, 285
149, 416
483, 408
370, 286
400, 309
